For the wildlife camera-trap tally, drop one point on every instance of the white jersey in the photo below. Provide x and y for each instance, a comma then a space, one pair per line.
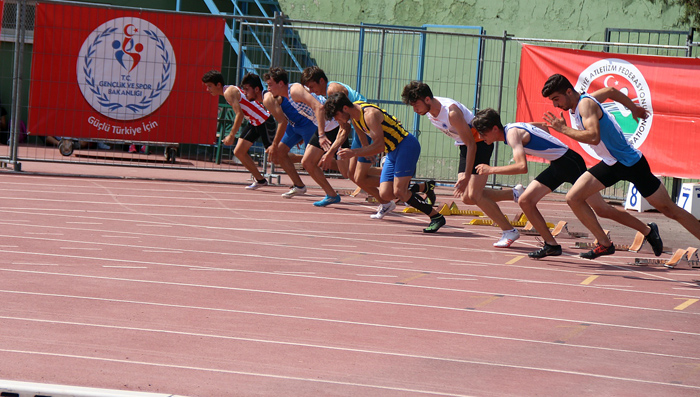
542, 144
442, 121
306, 111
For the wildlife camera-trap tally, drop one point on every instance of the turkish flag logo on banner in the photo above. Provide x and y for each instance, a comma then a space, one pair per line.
665, 86
127, 75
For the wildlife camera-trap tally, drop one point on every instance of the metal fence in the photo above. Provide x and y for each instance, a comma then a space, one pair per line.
459, 62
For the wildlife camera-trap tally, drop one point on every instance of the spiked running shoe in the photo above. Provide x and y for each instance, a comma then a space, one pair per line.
436, 223
383, 210
599, 250
517, 192
507, 238
430, 192
546, 250
294, 191
654, 239
328, 200
256, 184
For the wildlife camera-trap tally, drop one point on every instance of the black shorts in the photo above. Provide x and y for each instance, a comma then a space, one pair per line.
332, 134
567, 168
265, 132
483, 156
639, 174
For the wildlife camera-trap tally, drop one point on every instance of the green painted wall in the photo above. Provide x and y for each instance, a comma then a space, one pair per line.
575, 19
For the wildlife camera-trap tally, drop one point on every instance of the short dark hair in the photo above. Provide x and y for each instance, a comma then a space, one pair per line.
252, 80
277, 74
335, 104
486, 119
556, 83
312, 73
415, 91
213, 76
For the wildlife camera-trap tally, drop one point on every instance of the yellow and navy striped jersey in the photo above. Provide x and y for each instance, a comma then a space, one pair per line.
394, 133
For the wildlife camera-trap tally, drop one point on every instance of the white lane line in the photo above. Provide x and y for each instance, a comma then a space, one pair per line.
112, 236
338, 245
318, 258
35, 264
86, 223
164, 251
377, 275
458, 278
81, 248
126, 267
44, 234
327, 347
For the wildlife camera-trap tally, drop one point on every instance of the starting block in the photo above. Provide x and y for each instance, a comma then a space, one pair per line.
636, 245
687, 256
520, 222
456, 211
529, 230
560, 227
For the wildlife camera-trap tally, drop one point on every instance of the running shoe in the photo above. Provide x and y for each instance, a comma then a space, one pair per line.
546, 250
430, 192
507, 238
294, 191
383, 210
599, 250
517, 192
436, 222
328, 200
654, 239
256, 184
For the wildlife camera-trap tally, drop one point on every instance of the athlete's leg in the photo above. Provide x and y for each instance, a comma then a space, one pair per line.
619, 215
662, 202
285, 161
475, 196
528, 203
586, 186
241, 152
312, 156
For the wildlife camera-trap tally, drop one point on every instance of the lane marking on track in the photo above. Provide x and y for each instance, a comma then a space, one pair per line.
685, 304
377, 275
485, 300
517, 258
81, 248
163, 251
86, 223
125, 267
35, 264
458, 278
414, 277
576, 330
588, 280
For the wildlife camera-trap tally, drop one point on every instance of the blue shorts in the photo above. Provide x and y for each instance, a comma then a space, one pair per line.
357, 144
401, 161
294, 135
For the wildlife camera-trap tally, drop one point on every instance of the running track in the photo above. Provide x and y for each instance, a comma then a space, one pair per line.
210, 290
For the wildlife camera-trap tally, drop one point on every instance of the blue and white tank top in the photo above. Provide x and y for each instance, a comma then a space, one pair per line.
306, 111
542, 144
613, 146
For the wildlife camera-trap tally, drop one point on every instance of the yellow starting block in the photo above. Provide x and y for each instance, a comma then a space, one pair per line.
520, 222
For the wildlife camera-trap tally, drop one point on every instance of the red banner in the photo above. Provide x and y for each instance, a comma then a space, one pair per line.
127, 75
665, 86
2, 7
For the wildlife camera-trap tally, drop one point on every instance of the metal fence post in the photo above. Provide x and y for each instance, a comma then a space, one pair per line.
17, 82
277, 26
500, 95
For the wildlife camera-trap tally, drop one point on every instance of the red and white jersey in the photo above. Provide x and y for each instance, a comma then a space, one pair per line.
253, 111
